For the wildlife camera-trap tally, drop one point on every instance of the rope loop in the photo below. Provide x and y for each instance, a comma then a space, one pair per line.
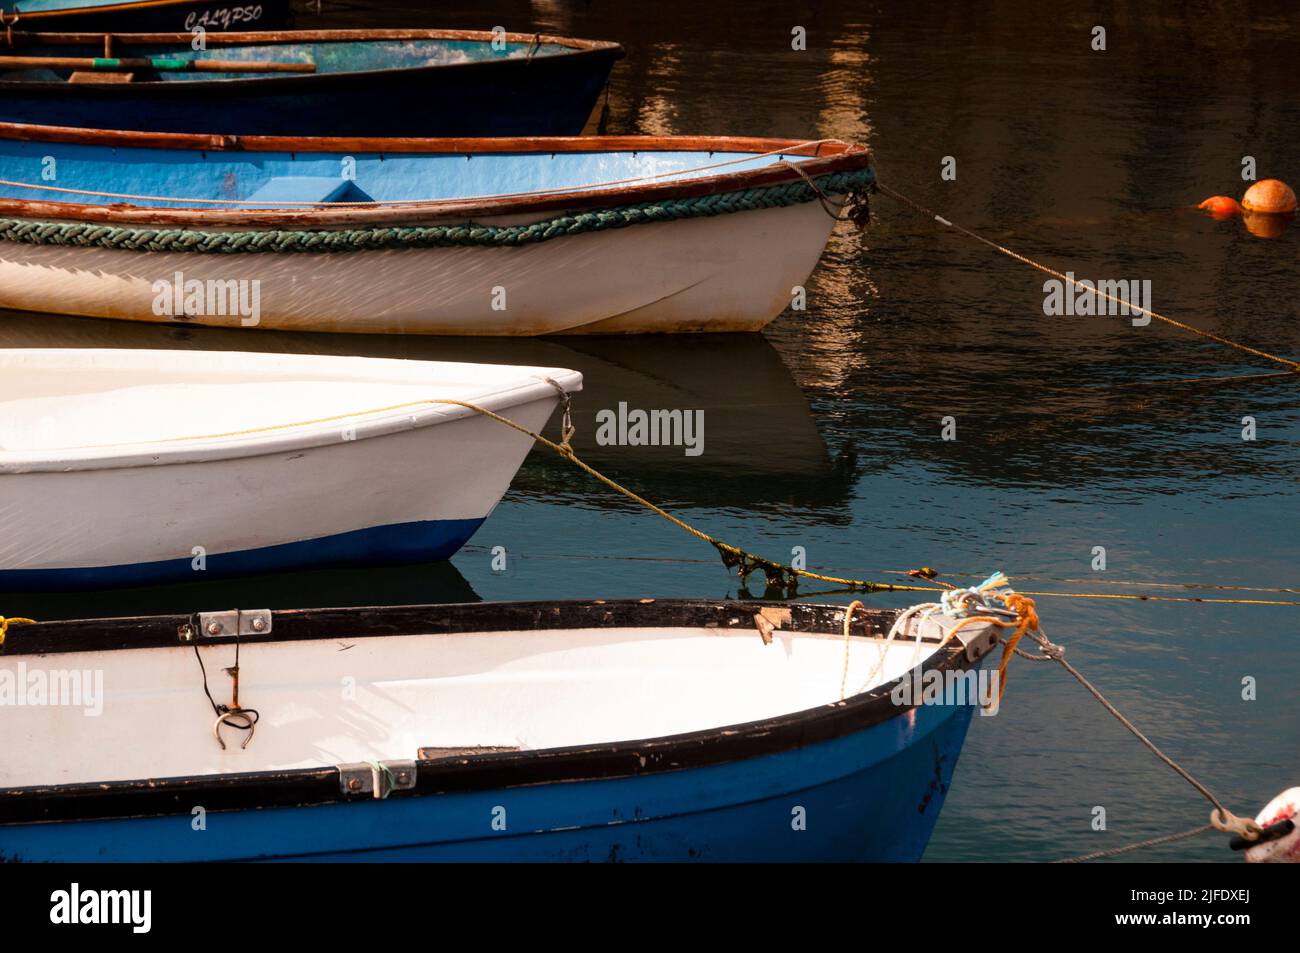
1221, 819
853, 606
567, 429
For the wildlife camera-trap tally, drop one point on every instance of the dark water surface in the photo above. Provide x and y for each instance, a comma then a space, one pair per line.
825, 431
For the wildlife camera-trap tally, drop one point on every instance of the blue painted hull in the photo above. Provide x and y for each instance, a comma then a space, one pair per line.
379, 545
869, 795
547, 96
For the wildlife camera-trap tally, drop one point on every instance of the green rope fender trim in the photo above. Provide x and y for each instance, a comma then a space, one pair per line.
93, 235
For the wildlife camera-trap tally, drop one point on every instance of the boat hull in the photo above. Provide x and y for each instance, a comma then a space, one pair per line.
151, 16
732, 272
410, 496
872, 795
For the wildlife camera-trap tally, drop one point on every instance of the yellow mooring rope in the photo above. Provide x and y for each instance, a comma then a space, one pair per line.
15, 620
780, 575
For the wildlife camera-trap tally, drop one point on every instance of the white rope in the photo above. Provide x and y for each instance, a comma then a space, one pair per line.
897, 627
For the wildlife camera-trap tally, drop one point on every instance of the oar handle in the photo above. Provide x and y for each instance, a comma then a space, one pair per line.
251, 66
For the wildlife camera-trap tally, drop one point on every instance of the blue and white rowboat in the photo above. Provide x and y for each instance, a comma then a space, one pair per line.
649, 730
582, 235
122, 467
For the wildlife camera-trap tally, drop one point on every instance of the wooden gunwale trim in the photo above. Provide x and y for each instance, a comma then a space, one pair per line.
105, 8
622, 759
271, 37
214, 85
834, 157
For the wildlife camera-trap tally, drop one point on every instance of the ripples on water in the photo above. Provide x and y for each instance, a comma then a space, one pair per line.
824, 432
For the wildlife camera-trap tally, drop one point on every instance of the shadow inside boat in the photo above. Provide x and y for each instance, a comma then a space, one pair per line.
751, 440
417, 584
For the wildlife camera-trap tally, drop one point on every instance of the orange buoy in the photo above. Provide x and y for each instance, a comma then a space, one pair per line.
1221, 206
1272, 196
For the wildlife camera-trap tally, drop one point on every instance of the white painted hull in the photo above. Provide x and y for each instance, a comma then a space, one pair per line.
409, 483
732, 272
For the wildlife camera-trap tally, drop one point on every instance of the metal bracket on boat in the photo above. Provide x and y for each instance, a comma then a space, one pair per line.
977, 640
232, 622
376, 779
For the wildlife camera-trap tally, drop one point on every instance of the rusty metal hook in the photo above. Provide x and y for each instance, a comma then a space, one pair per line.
250, 725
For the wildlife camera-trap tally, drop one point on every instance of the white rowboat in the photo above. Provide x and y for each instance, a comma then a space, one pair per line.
648, 729
122, 467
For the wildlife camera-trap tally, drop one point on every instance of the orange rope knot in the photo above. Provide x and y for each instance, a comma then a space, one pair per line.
1026, 621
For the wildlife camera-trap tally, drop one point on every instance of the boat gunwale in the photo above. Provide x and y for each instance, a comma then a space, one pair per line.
301, 787
89, 9
822, 157
263, 37
575, 49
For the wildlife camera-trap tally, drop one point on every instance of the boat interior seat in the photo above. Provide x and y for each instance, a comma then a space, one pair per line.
296, 189
83, 76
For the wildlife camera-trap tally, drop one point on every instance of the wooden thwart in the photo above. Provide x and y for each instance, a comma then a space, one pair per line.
83, 77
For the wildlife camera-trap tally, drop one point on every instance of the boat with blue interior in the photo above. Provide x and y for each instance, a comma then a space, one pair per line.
307, 83
506, 236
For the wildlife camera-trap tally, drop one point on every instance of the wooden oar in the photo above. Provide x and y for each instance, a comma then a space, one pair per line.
162, 64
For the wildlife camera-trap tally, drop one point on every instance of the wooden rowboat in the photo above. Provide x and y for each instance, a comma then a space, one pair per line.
308, 83
144, 15
587, 235
639, 730
137, 467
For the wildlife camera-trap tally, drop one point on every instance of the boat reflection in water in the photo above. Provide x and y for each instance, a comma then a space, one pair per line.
419, 583
761, 448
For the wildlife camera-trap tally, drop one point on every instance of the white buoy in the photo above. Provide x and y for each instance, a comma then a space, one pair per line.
1284, 850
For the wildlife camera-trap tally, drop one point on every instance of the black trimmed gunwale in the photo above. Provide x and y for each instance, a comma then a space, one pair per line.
153, 797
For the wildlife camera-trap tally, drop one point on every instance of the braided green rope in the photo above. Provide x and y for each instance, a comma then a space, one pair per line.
92, 235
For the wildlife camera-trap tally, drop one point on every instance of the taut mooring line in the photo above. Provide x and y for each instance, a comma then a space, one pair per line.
1293, 366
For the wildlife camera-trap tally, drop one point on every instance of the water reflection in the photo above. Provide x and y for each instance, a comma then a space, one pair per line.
355, 586
760, 444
